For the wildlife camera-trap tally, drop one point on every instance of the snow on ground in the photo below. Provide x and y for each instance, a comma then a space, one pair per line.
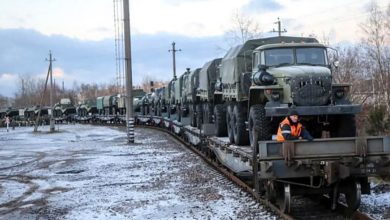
88, 172
377, 204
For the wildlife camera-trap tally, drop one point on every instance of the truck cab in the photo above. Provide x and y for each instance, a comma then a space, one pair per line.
298, 76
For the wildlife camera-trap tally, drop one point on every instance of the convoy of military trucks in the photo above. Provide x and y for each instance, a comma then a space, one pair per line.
245, 93
256, 84
243, 96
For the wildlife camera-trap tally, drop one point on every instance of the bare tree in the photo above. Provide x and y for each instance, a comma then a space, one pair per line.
4, 101
29, 91
376, 44
147, 81
243, 28
351, 71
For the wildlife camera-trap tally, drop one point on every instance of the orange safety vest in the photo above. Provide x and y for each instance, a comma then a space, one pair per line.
295, 130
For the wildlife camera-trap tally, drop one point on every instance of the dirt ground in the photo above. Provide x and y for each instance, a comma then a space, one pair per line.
87, 172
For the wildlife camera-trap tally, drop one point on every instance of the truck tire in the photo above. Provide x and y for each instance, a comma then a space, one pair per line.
192, 114
159, 106
259, 124
207, 113
230, 121
239, 129
220, 120
178, 113
199, 116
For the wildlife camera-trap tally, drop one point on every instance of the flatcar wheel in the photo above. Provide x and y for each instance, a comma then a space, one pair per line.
334, 194
284, 197
353, 195
270, 192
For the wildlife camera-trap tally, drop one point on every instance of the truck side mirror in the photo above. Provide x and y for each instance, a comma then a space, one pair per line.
262, 67
336, 63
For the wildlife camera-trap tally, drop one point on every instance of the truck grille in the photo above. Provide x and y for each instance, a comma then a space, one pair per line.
311, 90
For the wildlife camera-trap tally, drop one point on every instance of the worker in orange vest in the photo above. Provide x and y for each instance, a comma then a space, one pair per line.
291, 129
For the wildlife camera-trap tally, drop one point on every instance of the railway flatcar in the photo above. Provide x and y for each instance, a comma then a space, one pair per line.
236, 104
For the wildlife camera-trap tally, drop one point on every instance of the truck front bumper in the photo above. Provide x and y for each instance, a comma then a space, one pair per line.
284, 110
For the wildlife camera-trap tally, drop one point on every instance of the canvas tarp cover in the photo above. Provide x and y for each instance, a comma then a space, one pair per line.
238, 59
192, 83
167, 91
99, 102
138, 92
122, 102
179, 86
208, 74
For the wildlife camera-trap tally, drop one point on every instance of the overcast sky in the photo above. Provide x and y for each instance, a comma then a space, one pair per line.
80, 33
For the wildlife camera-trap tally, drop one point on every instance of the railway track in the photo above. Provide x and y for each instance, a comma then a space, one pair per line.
303, 208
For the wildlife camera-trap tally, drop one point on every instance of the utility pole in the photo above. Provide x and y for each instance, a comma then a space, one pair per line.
128, 71
51, 60
174, 59
280, 31
42, 95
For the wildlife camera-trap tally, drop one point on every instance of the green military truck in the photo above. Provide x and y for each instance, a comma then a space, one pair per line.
206, 92
170, 97
189, 98
270, 77
179, 87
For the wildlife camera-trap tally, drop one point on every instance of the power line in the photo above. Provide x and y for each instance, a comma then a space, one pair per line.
340, 19
331, 9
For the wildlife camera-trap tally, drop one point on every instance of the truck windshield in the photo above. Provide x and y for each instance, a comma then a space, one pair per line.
311, 56
279, 57
304, 56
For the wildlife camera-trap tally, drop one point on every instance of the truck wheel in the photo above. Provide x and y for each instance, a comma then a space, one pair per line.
157, 106
191, 109
199, 115
179, 113
207, 113
239, 129
220, 120
259, 123
230, 121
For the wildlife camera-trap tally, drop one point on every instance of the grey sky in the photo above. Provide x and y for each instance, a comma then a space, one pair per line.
82, 37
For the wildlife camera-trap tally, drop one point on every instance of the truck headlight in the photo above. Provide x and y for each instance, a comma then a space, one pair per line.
339, 93
275, 96
263, 78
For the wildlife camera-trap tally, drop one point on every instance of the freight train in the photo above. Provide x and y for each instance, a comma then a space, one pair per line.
232, 106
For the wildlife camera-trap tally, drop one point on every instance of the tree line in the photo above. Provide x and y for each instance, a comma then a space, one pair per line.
365, 65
